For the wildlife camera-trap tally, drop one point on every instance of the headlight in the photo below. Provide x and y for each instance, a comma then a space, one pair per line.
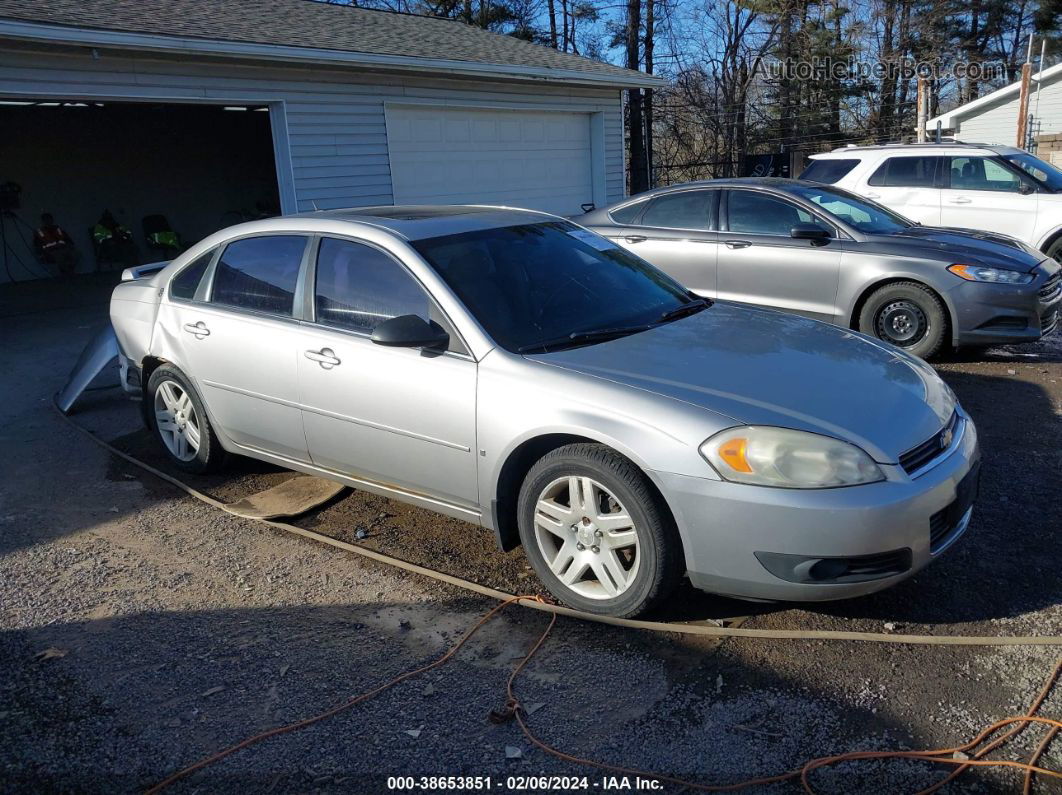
785, 458
975, 273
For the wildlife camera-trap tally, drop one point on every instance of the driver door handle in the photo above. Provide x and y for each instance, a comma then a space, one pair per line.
325, 357
635, 238
873, 195
199, 330
737, 243
959, 200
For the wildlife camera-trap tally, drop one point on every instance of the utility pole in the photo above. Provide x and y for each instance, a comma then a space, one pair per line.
923, 109
1023, 98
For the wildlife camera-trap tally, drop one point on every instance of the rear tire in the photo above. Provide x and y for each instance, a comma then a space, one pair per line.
179, 422
597, 534
908, 315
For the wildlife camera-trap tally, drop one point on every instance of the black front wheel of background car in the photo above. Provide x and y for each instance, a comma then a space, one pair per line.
179, 422
907, 315
1054, 251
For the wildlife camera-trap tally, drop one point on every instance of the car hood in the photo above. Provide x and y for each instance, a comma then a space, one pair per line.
967, 246
761, 367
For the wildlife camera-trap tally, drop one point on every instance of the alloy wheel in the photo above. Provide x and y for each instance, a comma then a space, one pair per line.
586, 537
177, 421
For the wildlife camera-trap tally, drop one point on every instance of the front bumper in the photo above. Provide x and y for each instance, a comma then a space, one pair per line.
734, 535
993, 314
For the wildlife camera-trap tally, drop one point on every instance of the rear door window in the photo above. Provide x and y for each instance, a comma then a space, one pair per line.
688, 209
828, 171
907, 172
260, 274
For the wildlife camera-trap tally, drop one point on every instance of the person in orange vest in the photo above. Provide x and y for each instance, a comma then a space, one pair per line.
54, 246
114, 243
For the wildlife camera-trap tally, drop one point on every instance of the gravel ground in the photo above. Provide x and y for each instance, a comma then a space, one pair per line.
176, 630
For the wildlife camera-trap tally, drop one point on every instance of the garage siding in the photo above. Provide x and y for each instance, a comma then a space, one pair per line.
336, 131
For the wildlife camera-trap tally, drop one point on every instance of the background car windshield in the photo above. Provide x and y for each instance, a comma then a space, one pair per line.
1039, 170
866, 216
533, 283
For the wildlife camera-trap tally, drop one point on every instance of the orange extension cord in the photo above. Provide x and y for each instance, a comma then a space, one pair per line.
962, 757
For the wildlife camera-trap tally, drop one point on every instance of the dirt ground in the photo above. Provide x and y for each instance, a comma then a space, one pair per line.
141, 630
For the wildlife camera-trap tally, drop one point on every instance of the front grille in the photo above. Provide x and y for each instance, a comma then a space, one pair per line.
944, 523
1051, 287
917, 457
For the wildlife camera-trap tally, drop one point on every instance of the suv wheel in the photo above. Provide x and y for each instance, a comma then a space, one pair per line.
180, 423
596, 533
907, 315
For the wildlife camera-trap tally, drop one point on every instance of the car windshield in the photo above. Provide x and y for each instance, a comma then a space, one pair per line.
866, 216
1036, 168
534, 286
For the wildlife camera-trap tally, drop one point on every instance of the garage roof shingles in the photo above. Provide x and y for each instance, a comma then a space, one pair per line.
306, 23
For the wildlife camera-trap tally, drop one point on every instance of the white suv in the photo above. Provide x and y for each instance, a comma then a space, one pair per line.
971, 186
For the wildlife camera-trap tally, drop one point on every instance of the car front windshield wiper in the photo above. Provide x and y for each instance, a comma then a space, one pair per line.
689, 308
577, 338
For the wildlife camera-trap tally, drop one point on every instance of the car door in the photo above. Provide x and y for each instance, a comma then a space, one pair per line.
761, 263
237, 339
399, 417
910, 185
985, 193
676, 233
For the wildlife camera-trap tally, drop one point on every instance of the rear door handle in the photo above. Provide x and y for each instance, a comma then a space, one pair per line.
199, 330
635, 238
873, 195
737, 243
959, 200
325, 357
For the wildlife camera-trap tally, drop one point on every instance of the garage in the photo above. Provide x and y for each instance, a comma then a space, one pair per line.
188, 168
538, 160
150, 109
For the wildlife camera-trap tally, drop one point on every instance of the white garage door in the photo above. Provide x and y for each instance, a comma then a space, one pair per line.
535, 159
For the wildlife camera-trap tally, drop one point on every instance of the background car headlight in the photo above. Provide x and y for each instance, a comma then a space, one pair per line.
976, 273
785, 458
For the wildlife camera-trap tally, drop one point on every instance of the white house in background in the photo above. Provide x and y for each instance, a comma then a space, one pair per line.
993, 118
209, 112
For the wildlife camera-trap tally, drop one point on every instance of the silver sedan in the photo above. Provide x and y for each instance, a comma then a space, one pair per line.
514, 370
822, 252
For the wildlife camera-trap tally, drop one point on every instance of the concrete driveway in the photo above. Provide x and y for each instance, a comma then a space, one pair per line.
141, 630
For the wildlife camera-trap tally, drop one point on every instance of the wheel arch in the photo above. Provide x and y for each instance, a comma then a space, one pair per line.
1050, 239
518, 463
870, 289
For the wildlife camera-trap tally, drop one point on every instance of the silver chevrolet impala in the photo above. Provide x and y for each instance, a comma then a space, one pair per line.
515, 370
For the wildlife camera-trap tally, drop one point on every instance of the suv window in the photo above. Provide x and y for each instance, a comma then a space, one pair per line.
688, 209
260, 273
358, 287
828, 171
628, 214
906, 172
760, 214
185, 284
982, 173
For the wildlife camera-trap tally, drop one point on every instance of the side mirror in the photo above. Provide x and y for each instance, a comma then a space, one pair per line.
809, 232
410, 331
1025, 189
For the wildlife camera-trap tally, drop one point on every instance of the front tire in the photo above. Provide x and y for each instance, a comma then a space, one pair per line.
179, 422
597, 534
908, 315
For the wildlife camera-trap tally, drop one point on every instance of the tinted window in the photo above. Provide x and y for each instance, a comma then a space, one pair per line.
186, 282
532, 283
982, 173
757, 213
259, 273
690, 209
628, 214
359, 287
828, 171
906, 172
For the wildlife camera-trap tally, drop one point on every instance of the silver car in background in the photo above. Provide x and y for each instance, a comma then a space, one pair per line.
828, 254
514, 370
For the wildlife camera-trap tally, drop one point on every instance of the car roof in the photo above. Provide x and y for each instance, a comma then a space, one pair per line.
848, 151
766, 182
418, 222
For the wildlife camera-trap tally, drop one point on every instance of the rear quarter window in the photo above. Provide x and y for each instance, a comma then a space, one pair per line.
828, 171
185, 284
627, 214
